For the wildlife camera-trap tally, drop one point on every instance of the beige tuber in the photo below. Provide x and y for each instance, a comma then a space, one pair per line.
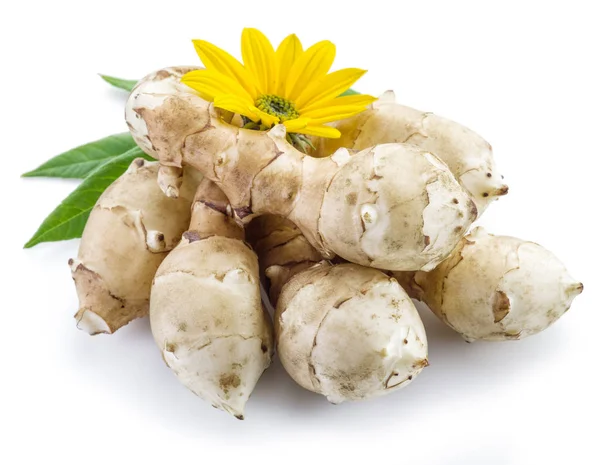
495, 288
347, 332
205, 309
391, 206
467, 154
128, 234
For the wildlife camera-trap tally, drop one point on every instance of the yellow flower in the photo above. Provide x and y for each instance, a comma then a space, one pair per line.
289, 85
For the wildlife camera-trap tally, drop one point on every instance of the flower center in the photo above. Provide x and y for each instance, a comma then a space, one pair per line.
277, 106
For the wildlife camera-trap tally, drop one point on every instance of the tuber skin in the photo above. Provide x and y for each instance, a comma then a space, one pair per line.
467, 154
346, 331
400, 206
282, 251
128, 234
495, 288
206, 313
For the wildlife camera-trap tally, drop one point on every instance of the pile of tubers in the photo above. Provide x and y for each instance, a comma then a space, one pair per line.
341, 239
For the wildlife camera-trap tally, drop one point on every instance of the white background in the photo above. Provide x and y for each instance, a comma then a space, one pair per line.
524, 75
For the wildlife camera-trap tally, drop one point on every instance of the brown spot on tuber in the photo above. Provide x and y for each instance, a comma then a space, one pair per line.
485, 194
181, 70
339, 303
160, 75
221, 208
170, 347
427, 240
264, 348
219, 277
511, 335
501, 306
455, 201
502, 191
489, 175
421, 363
473, 209
242, 212
351, 198
182, 326
191, 236
229, 381
387, 381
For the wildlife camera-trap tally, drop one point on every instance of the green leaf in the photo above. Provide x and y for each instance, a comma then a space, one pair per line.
79, 162
68, 219
349, 92
126, 84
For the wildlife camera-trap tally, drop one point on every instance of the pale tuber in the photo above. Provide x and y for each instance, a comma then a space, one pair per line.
282, 251
205, 309
495, 288
347, 332
467, 154
392, 206
129, 232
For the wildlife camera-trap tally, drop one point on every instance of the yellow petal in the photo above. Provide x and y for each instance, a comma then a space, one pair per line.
320, 131
219, 60
259, 59
328, 87
292, 125
313, 64
337, 104
267, 120
211, 83
326, 115
337, 116
236, 105
287, 53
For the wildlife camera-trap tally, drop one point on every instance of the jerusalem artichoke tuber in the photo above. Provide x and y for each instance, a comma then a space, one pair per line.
347, 332
467, 154
400, 206
282, 251
205, 308
495, 288
127, 235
